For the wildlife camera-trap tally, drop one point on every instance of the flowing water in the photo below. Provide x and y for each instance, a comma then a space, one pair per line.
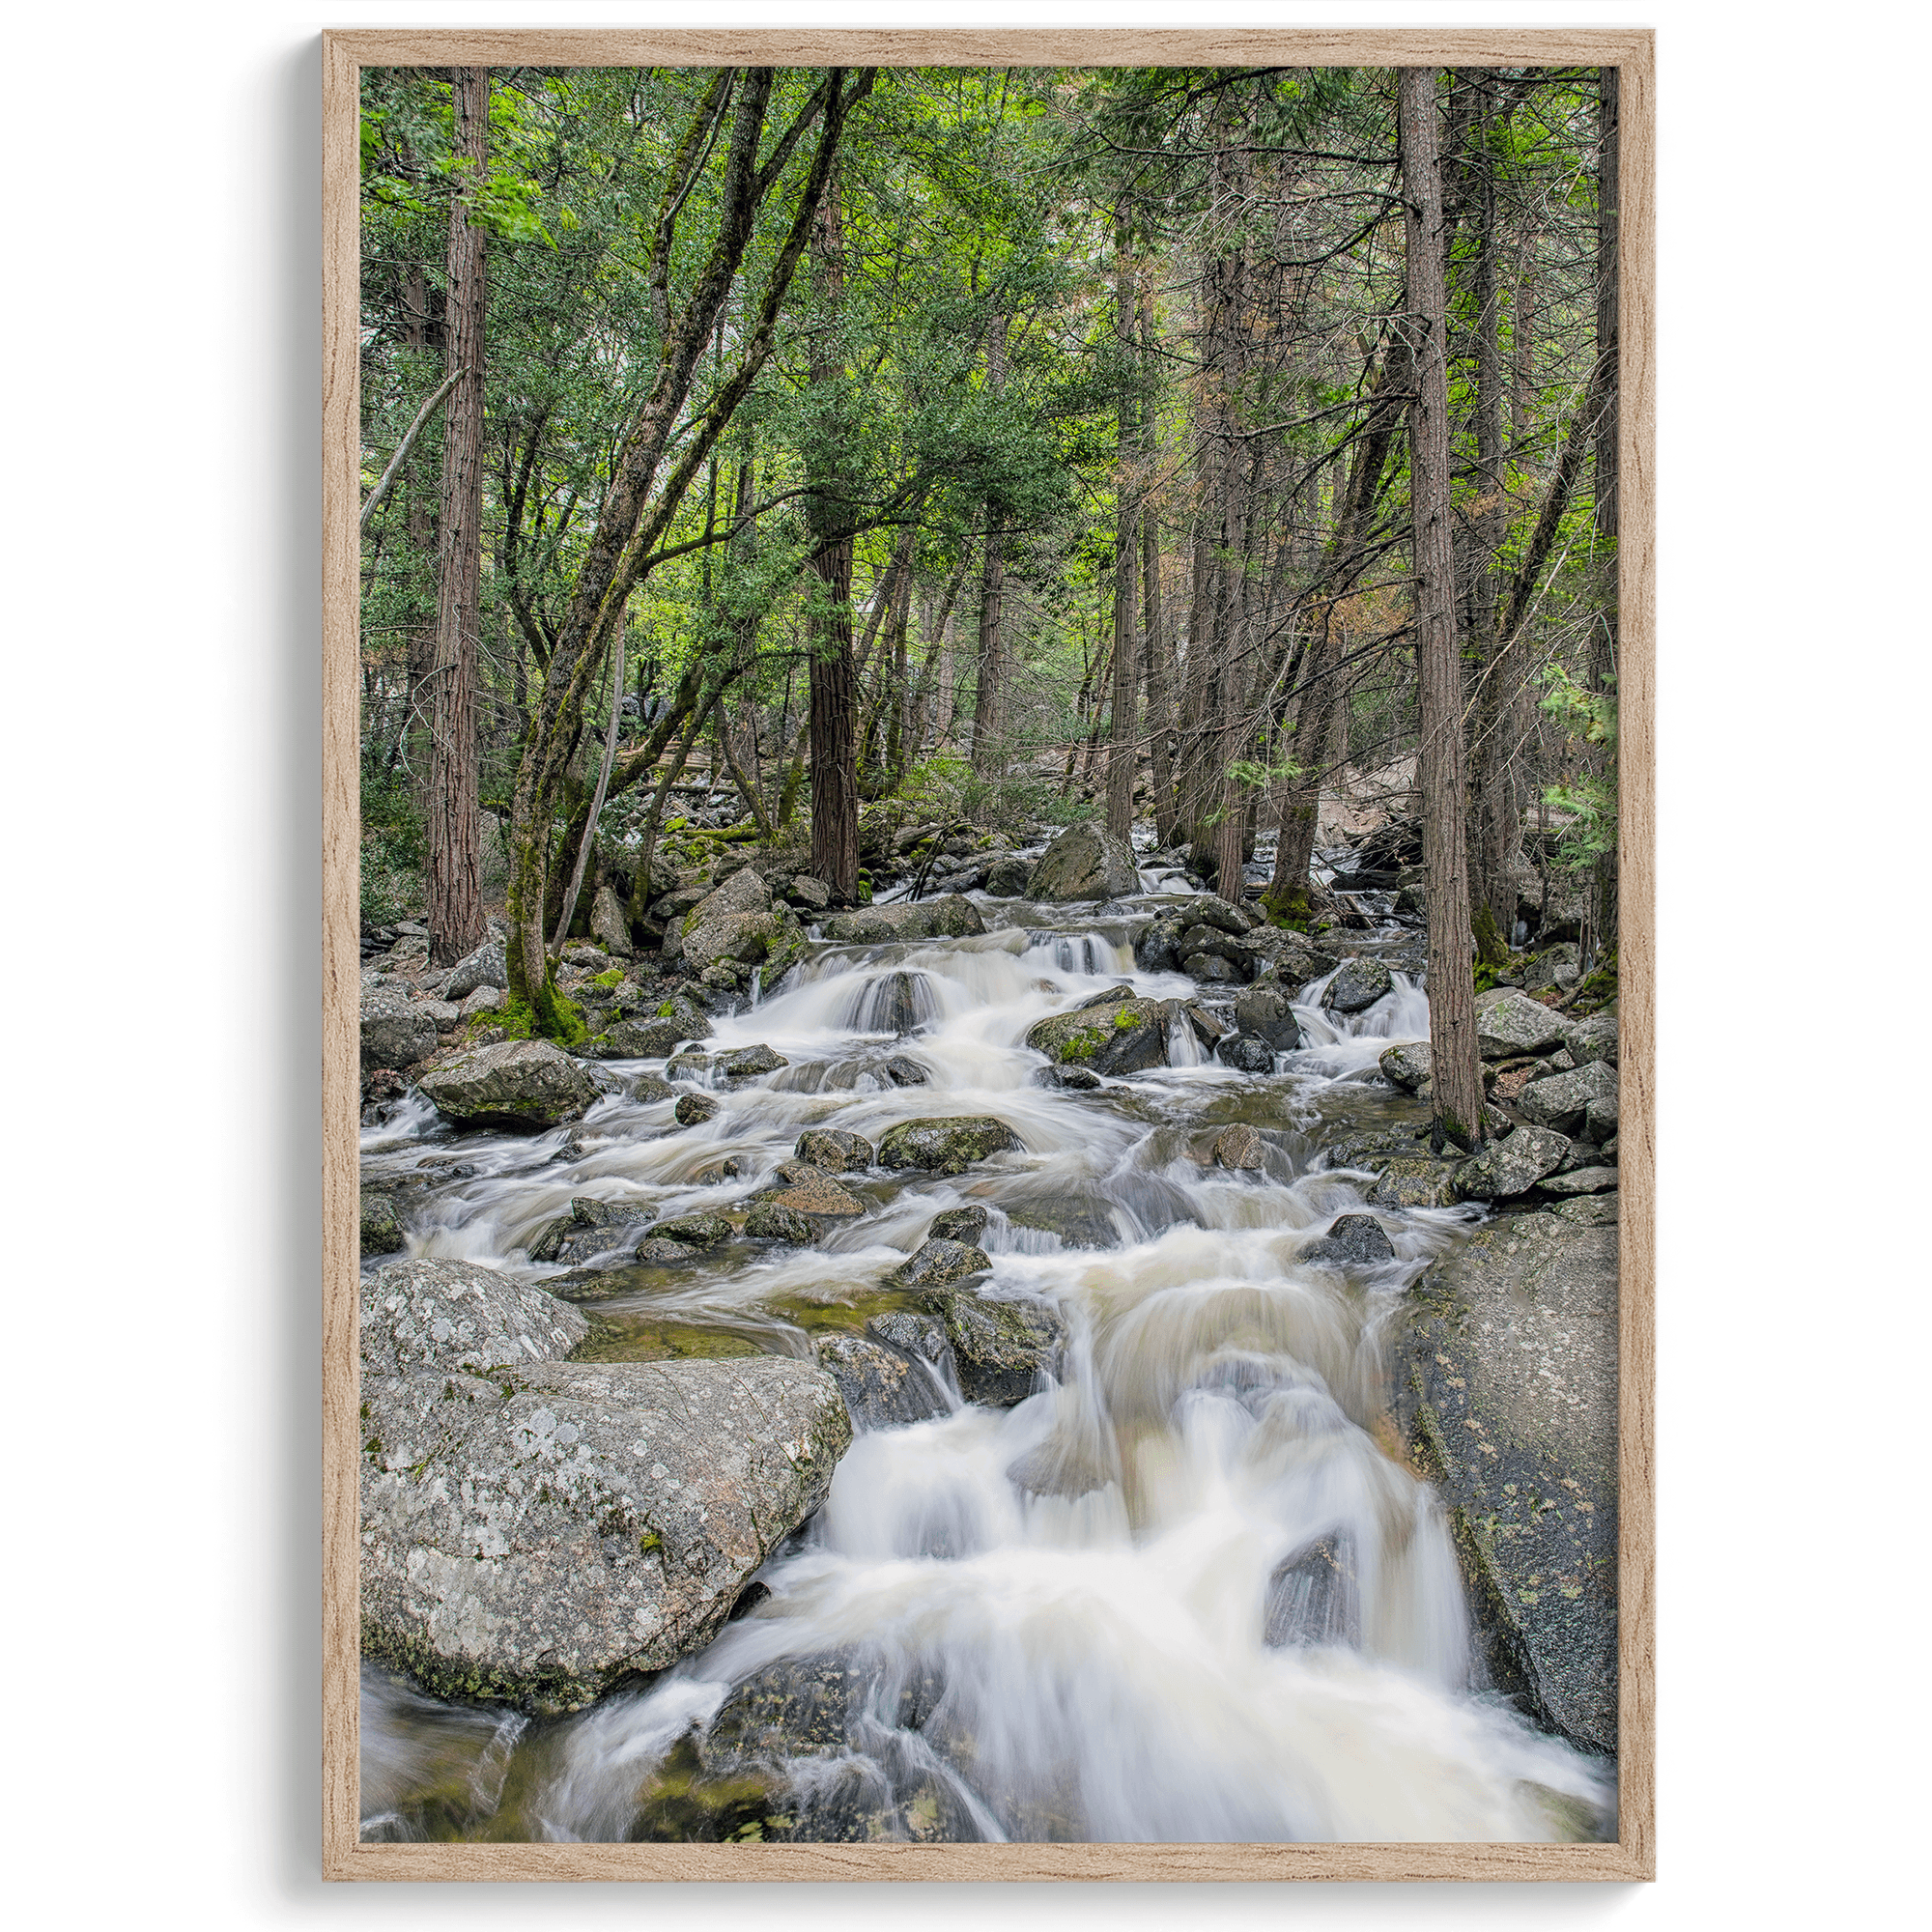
1189, 1592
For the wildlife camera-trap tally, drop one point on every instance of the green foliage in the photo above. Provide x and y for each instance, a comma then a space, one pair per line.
1589, 804
394, 845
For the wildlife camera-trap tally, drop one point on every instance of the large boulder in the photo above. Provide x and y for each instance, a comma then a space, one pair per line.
947, 1147
396, 1032
734, 929
526, 1084
939, 1263
1505, 1378
948, 918
1510, 1166
1000, 1349
1266, 1008
1407, 1064
540, 1534
652, 1036
1008, 875
1563, 1101
422, 1316
1119, 1033
1086, 861
810, 1190
834, 1150
1510, 1023
487, 966
1247, 1053
1592, 1038
1358, 985
1353, 1241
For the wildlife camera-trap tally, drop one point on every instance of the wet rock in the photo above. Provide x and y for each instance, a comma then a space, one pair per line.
1510, 1023
1265, 1010
834, 1150
1563, 1101
1358, 985
1291, 958
1506, 1386
381, 1227
1315, 1597
948, 918
946, 1145
904, 1072
1211, 969
771, 1220
396, 1032
1512, 1166
694, 1108
718, 1175
1353, 1241
487, 966
539, 1535
1157, 949
999, 1348
526, 1084
608, 925
1240, 1146
749, 1063
883, 1388
1006, 876
722, 944
424, 1317
1210, 942
1415, 1184
921, 1338
1086, 861
1407, 1064
693, 1230
1581, 1181
652, 1036
958, 1224
938, 1263
810, 1190
654, 1251
899, 1004
1247, 1053
1117, 1034
1074, 1079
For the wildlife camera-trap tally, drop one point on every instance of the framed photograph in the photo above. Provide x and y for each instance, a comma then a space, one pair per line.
988, 954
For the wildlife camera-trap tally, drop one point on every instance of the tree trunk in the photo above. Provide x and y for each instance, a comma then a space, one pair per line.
455, 887
990, 720
834, 694
1124, 740
1456, 1071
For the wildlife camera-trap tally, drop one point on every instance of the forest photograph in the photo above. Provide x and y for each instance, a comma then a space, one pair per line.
989, 927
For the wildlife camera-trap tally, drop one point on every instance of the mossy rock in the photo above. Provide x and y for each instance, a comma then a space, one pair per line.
947, 1147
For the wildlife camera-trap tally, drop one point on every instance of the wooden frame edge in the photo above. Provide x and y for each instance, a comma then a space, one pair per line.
1631, 1857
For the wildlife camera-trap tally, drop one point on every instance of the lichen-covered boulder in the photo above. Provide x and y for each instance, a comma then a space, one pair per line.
1506, 1167
381, 1231
938, 1263
693, 1230
487, 966
1509, 1023
1415, 1182
1592, 1038
751, 1062
1086, 861
948, 918
528, 1084
1563, 1100
1246, 1052
958, 1224
396, 1030
771, 1220
883, 1388
608, 924
810, 1190
651, 1036
1000, 1349
1358, 985
1239, 1146
1120, 1033
834, 1150
1505, 1385
537, 1535
1006, 877
1407, 1064
422, 1316
1581, 1181
947, 1147
694, 1108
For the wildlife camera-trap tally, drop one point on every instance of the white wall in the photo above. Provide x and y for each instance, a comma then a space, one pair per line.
160, 613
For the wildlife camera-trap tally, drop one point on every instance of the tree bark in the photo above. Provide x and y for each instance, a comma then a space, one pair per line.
1456, 1070
834, 678
455, 884
989, 693
1124, 740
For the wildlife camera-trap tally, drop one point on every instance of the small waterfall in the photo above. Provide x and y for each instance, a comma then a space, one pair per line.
1180, 1593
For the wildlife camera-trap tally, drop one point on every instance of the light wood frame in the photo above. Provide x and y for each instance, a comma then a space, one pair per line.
1633, 1855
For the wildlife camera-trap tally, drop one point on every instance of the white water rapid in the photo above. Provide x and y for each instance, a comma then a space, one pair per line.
1189, 1592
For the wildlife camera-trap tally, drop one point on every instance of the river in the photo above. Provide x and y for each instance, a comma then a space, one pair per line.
1191, 1593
